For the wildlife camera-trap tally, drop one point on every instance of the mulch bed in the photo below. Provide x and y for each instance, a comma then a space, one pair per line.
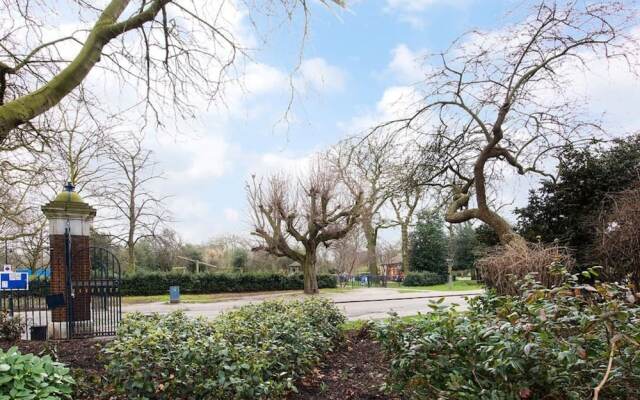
355, 370
77, 353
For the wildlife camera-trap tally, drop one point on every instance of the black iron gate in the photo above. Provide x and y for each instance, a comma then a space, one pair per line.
96, 294
91, 302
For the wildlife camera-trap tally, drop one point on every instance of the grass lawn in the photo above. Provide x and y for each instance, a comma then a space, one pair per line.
459, 285
216, 297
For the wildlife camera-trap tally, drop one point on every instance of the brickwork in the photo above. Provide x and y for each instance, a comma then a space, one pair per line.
81, 273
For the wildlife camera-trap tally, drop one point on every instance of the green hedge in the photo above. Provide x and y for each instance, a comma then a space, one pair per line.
256, 352
423, 279
145, 284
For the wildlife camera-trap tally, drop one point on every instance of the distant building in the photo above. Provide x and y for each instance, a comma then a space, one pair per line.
294, 267
393, 268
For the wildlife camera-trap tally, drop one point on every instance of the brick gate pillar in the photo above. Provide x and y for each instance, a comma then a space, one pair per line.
69, 213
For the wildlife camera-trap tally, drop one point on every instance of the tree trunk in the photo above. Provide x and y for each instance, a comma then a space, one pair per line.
371, 236
131, 251
404, 252
502, 227
310, 276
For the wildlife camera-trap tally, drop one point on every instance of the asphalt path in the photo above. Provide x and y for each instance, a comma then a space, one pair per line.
357, 304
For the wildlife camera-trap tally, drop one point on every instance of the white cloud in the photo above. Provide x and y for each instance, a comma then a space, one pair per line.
398, 101
262, 78
317, 74
283, 162
231, 214
193, 158
406, 64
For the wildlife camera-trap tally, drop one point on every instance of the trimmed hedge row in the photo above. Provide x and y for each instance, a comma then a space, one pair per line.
153, 283
423, 279
255, 352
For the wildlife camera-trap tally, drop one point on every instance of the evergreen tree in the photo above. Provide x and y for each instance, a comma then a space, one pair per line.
239, 259
564, 210
428, 244
465, 246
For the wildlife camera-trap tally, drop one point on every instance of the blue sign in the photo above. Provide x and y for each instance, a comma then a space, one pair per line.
14, 280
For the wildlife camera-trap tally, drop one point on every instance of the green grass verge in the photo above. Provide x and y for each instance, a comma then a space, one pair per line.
459, 285
217, 297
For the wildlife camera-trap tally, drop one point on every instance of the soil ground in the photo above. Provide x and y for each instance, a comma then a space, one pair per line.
77, 353
354, 371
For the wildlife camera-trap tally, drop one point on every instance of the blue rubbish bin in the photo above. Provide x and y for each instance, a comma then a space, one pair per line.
174, 294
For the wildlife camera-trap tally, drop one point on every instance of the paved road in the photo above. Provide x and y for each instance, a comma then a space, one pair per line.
356, 304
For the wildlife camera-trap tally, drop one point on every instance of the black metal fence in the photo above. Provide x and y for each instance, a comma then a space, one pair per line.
364, 280
101, 303
30, 307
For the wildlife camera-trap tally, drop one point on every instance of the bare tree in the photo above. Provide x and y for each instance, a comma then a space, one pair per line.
80, 153
363, 165
136, 212
291, 219
347, 252
502, 97
32, 249
175, 48
404, 205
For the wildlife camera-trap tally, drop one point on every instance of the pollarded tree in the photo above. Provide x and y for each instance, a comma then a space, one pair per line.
292, 218
503, 97
174, 48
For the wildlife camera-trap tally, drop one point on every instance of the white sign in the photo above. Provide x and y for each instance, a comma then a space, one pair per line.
7, 268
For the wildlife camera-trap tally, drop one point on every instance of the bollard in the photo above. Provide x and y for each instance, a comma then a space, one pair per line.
174, 294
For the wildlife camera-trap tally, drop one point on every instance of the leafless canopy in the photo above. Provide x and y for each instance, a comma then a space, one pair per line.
134, 210
292, 218
163, 52
499, 100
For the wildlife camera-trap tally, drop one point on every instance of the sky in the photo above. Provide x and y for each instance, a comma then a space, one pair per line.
355, 65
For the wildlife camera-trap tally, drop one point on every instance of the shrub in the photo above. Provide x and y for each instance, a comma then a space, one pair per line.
618, 230
255, 352
423, 279
10, 327
31, 377
145, 284
504, 267
544, 344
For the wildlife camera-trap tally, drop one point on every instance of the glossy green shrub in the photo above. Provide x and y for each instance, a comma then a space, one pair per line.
544, 344
255, 352
153, 283
29, 377
423, 279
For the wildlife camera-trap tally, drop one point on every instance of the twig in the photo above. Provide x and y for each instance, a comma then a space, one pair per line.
596, 391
